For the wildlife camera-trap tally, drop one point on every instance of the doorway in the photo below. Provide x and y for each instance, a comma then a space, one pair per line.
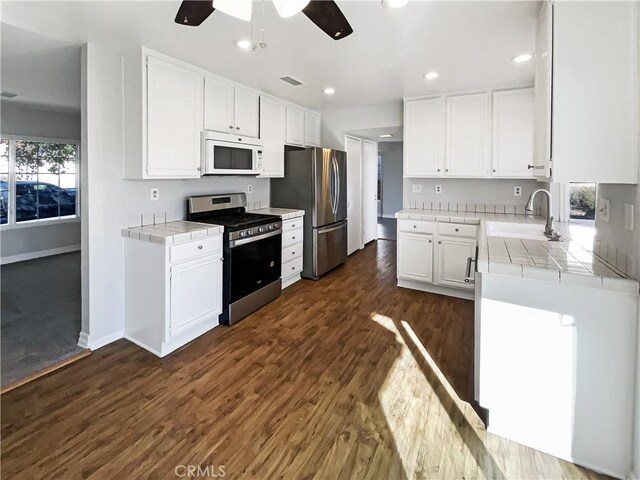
40, 317
390, 153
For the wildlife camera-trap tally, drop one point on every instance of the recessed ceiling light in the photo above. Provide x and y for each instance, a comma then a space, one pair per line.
523, 57
386, 135
245, 45
329, 90
394, 3
431, 75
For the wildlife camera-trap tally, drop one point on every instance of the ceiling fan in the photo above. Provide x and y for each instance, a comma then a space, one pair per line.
324, 13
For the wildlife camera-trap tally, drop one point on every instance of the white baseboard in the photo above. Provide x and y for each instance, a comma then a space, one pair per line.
42, 253
430, 288
387, 215
85, 341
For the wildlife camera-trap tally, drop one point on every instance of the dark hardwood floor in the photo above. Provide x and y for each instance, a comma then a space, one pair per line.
335, 379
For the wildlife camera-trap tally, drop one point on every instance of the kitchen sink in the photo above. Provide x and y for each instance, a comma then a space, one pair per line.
525, 231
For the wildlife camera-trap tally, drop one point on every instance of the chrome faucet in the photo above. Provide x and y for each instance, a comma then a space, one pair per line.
548, 228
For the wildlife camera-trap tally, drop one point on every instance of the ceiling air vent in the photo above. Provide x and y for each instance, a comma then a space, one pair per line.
292, 81
8, 95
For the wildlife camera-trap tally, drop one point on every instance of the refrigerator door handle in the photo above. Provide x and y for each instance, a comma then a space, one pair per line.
337, 182
332, 188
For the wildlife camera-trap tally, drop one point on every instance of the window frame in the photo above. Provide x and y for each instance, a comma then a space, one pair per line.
11, 217
565, 205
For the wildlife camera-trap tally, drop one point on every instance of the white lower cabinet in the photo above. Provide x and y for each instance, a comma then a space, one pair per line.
432, 256
292, 243
173, 293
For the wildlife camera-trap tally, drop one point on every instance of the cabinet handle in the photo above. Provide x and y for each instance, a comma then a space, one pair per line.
494, 171
439, 242
231, 127
438, 169
457, 230
293, 225
293, 268
446, 169
200, 247
430, 241
293, 253
293, 238
237, 128
529, 167
415, 226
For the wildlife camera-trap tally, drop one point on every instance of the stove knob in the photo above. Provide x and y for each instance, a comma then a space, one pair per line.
249, 232
260, 229
270, 227
243, 234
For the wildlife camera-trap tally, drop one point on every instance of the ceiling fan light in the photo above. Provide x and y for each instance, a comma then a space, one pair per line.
288, 8
236, 8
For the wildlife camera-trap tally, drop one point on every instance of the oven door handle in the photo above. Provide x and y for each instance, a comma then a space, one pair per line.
244, 241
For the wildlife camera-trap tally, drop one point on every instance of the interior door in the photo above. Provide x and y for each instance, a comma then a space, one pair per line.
354, 193
369, 191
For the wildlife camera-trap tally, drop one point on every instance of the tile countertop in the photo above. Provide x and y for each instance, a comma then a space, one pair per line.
570, 261
173, 232
284, 213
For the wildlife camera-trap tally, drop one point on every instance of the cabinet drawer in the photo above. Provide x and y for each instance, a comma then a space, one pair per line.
292, 224
419, 226
291, 237
457, 230
187, 251
292, 252
292, 267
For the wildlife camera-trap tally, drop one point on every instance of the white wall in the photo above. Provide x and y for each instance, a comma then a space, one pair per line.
35, 121
112, 202
336, 123
468, 190
391, 153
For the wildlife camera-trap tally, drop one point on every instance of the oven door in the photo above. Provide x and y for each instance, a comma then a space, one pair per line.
254, 263
226, 158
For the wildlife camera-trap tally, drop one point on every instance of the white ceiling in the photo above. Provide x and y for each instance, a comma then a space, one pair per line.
42, 71
468, 43
374, 133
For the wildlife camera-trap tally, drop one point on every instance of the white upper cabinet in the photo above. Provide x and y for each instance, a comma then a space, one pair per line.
542, 95
592, 108
311, 129
295, 126
512, 133
247, 112
230, 108
466, 137
218, 105
162, 118
272, 134
423, 137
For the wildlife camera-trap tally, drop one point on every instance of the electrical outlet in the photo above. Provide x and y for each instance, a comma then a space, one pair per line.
155, 194
517, 191
628, 216
438, 188
249, 189
416, 188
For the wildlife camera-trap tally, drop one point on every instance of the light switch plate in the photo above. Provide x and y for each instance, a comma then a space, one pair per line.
438, 189
604, 210
628, 216
416, 188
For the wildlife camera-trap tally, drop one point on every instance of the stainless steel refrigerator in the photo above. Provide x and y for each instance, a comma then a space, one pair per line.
316, 181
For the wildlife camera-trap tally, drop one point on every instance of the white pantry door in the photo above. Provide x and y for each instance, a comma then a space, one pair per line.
353, 147
369, 191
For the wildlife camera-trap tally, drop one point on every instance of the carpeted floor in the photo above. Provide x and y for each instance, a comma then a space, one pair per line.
387, 228
40, 314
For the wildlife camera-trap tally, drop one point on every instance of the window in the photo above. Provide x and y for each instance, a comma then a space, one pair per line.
582, 201
38, 180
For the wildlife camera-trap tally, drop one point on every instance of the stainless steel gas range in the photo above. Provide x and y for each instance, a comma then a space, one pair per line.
252, 252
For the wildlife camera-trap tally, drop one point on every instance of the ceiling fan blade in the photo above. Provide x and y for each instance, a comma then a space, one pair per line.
327, 15
194, 12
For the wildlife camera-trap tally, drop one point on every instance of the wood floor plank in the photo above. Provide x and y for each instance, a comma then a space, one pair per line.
349, 377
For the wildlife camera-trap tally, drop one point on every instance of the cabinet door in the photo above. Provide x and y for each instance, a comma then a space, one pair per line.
542, 95
295, 126
451, 261
246, 112
196, 293
513, 133
218, 105
415, 256
467, 135
272, 132
423, 138
311, 129
174, 120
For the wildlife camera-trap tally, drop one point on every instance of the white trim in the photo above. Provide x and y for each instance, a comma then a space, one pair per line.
39, 223
430, 288
387, 215
85, 340
29, 138
42, 253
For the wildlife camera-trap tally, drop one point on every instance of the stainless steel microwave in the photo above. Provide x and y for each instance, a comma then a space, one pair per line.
225, 154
